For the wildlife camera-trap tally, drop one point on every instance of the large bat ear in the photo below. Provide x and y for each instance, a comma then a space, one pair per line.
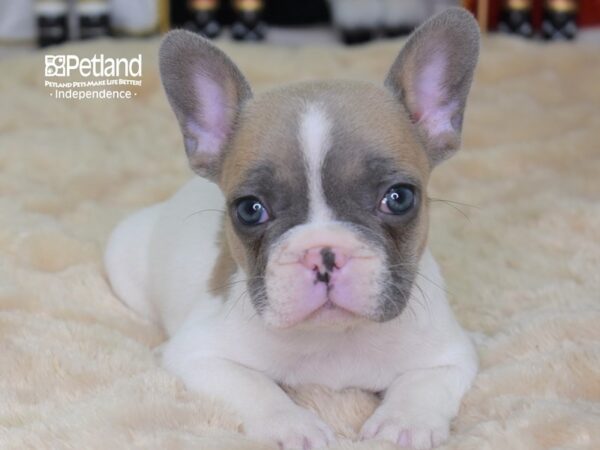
432, 76
206, 90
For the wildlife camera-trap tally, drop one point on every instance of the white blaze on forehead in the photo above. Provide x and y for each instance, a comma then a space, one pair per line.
315, 140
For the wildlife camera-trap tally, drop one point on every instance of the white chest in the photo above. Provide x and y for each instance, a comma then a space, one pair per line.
368, 357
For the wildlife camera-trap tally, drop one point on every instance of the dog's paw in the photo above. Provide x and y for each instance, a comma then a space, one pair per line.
416, 431
292, 429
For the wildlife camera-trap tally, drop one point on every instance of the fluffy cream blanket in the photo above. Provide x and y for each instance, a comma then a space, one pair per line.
516, 230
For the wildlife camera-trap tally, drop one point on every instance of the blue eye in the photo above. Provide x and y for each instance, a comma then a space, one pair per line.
250, 211
399, 199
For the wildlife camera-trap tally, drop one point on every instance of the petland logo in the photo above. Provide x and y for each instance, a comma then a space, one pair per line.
97, 66
73, 77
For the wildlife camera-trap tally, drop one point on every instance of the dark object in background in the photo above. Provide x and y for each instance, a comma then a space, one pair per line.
52, 22
248, 24
398, 30
94, 19
516, 18
296, 12
354, 36
587, 14
559, 20
276, 12
204, 17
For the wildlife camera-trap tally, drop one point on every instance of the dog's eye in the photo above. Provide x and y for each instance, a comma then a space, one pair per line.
399, 199
250, 211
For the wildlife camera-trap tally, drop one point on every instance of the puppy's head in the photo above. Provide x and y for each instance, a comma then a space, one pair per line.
325, 181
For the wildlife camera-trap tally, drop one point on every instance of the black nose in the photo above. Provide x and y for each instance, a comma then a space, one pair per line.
322, 277
328, 258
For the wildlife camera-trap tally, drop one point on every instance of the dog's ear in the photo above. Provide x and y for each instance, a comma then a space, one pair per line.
206, 90
432, 76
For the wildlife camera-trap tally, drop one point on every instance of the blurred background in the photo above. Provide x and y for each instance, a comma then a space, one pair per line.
26, 24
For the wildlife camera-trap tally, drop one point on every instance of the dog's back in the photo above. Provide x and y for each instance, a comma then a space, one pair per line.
159, 259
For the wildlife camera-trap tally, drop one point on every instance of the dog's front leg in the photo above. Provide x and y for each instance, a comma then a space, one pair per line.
417, 408
265, 409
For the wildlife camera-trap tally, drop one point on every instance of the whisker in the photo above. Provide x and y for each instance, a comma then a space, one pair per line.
204, 210
419, 273
453, 205
232, 283
260, 298
399, 292
434, 283
426, 300
235, 302
445, 200
460, 211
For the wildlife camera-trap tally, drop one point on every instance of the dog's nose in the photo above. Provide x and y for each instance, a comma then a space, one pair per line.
324, 259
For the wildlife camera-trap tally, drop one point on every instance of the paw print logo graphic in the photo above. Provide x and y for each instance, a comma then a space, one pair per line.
55, 65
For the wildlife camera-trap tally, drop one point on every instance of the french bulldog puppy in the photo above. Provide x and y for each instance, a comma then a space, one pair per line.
309, 262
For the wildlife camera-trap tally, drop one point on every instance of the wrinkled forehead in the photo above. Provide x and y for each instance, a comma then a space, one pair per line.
315, 130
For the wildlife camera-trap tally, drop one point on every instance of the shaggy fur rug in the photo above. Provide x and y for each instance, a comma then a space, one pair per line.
516, 230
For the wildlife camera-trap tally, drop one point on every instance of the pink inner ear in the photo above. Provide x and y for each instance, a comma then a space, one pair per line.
211, 121
433, 111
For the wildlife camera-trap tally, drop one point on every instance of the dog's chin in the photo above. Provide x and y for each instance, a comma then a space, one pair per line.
328, 316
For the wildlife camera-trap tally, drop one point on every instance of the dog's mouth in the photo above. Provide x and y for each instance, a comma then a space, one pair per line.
330, 313
324, 276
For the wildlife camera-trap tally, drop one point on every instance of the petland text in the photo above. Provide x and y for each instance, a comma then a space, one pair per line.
96, 66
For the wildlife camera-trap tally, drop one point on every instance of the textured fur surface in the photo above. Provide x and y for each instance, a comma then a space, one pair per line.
78, 368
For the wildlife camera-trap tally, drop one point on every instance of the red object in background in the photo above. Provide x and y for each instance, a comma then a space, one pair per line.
589, 12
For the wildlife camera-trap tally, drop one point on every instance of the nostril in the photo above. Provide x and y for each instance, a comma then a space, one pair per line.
324, 259
323, 277
311, 259
335, 258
